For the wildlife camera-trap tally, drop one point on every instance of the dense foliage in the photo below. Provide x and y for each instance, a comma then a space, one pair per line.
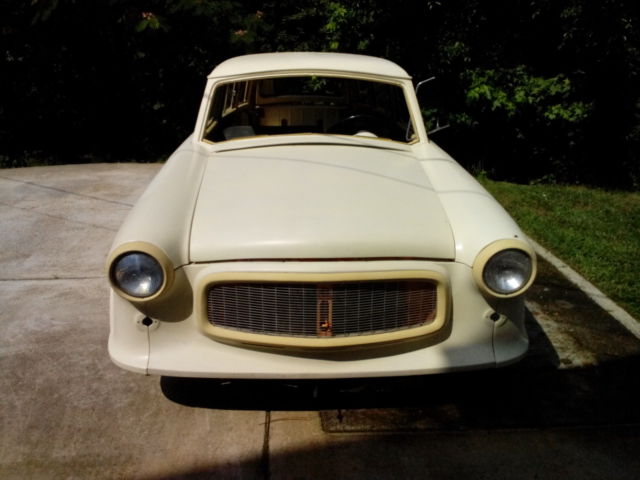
534, 90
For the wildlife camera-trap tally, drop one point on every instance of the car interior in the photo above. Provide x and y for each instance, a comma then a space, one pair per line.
307, 104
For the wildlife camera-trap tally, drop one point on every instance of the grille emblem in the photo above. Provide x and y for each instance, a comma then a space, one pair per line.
324, 310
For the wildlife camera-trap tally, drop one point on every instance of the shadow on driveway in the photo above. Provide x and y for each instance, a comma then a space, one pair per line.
532, 393
581, 370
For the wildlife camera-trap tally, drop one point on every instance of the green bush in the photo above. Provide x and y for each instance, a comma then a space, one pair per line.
534, 90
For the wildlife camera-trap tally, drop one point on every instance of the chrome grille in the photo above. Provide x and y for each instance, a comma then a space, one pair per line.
322, 309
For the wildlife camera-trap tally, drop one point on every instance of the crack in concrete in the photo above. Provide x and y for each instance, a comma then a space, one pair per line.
265, 460
57, 217
61, 190
49, 279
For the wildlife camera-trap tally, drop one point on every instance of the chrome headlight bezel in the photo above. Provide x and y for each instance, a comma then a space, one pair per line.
149, 257
511, 257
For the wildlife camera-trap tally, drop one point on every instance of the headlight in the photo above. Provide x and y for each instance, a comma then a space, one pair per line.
507, 271
137, 274
505, 268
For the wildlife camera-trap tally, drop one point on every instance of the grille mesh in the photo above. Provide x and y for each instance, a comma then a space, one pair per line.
322, 310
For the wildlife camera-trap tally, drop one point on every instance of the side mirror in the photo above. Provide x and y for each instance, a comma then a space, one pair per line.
430, 79
432, 115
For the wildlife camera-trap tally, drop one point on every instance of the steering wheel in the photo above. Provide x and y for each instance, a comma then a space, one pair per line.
353, 124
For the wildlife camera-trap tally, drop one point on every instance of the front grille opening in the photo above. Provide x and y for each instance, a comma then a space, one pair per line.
322, 309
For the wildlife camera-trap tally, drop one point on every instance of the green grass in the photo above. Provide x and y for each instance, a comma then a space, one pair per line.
596, 232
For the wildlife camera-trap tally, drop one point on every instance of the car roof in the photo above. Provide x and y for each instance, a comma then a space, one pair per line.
315, 61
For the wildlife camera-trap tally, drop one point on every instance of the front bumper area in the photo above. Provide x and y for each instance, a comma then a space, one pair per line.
469, 340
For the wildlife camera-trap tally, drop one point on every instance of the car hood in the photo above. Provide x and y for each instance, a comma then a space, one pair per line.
317, 202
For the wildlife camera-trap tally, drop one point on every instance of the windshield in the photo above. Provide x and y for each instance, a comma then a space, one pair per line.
308, 104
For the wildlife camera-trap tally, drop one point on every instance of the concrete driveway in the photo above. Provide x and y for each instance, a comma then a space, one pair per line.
568, 410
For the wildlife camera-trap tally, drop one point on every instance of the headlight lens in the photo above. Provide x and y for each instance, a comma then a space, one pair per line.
507, 271
138, 274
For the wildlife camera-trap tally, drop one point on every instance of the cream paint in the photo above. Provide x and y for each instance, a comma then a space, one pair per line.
320, 201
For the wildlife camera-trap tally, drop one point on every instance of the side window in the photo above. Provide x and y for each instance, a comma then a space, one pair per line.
236, 95
229, 107
230, 92
215, 109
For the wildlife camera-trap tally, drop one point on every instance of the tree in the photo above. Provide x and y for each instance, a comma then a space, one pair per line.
534, 89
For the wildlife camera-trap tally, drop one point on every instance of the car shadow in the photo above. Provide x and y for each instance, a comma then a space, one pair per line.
535, 392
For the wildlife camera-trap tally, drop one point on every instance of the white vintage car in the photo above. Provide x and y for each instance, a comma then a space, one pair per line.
308, 228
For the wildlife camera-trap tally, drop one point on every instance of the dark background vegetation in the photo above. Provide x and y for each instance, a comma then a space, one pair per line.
534, 90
